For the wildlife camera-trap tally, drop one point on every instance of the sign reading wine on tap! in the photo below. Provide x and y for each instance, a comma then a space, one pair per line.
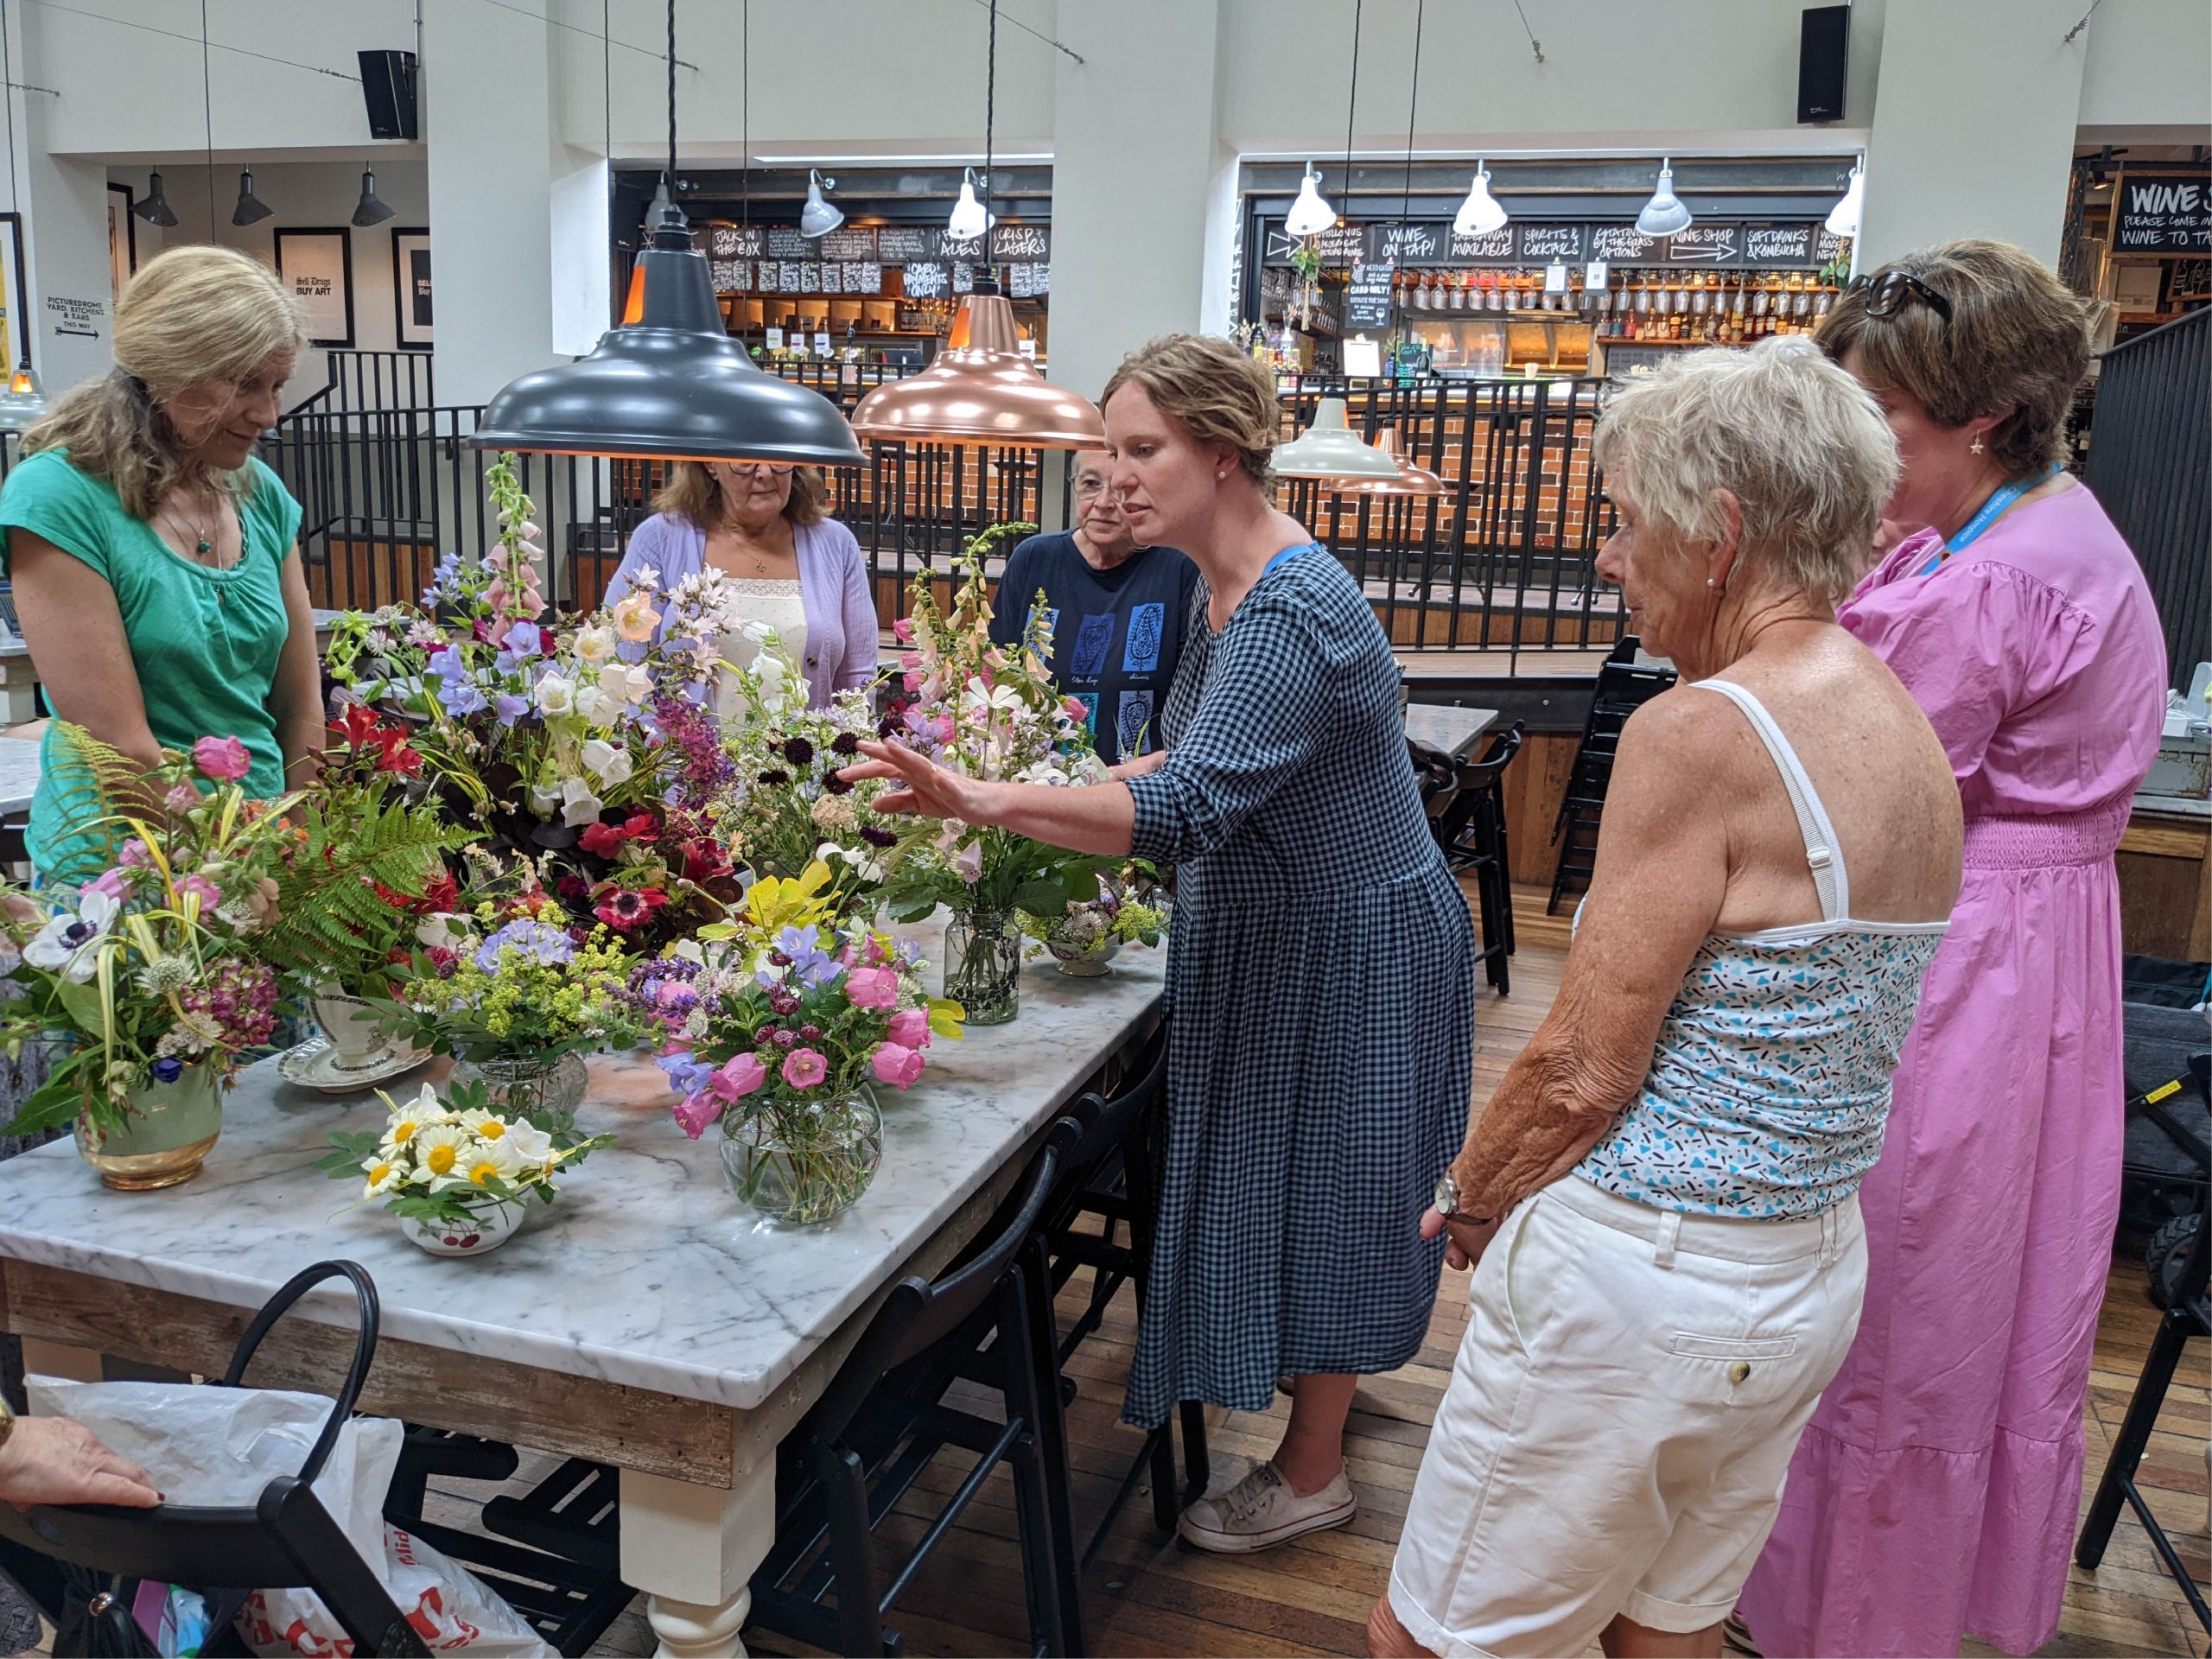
1406, 244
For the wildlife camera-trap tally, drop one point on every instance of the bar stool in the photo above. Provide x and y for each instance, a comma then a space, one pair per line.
1471, 831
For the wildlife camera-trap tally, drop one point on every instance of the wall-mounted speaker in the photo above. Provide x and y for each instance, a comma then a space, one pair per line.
388, 85
1823, 62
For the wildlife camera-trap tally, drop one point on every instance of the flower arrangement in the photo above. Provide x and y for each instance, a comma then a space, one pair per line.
1084, 937
443, 1163
149, 967
776, 1026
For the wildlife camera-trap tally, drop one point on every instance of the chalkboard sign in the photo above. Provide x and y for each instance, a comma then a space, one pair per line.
1706, 244
1828, 247
896, 244
810, 278
790, 277
1027, 282
2169, 212
1340, 245
785, 243
1030, 243
1778, 245
927, 280
949, 247
1367, 296
730, 276
832, 276
848, 242
1407, 244
736, 241
1624, 245
1490, 248
863, 277
1545, 245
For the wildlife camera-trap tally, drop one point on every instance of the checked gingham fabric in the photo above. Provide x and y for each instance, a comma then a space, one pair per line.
1321, 977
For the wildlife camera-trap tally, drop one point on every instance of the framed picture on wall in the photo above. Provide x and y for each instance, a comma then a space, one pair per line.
15, 293
122, 239
316, 268
410, 289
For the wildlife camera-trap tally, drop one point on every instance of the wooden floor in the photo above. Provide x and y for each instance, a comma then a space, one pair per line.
1150, 1595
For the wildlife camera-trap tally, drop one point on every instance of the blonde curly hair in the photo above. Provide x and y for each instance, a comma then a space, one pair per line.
1220, 394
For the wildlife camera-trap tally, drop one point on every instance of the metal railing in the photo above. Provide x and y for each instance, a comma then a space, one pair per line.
2149, 437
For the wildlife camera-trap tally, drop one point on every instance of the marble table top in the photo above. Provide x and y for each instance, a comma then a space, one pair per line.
1455, 731
646, 1272
19, 768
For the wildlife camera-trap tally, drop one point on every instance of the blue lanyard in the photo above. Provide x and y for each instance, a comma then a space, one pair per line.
1288, 553
2001, 498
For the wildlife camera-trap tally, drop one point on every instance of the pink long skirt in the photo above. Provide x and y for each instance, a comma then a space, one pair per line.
1937, 1490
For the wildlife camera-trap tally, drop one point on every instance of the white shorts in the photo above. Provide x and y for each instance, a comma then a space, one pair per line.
1621, 1416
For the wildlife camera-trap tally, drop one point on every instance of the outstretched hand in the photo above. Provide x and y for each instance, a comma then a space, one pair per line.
59, 1460
928, 789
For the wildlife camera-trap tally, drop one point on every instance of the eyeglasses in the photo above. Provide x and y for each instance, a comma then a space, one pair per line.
1092, 487
1886, 290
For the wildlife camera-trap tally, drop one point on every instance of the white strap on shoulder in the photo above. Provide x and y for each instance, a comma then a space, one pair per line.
1822, 851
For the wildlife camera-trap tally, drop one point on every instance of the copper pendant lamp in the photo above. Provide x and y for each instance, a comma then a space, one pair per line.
1411, 479
668, 382
981, 390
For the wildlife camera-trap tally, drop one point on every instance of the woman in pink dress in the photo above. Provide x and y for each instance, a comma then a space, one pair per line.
1937, 1490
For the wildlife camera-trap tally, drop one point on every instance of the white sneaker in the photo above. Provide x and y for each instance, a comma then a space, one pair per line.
1261, 1511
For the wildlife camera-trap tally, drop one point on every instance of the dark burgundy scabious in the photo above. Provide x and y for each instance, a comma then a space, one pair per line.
798, 751
877, 835
835, 784
775, 779
845, 743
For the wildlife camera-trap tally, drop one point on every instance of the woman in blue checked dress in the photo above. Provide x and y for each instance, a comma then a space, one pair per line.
1321, 969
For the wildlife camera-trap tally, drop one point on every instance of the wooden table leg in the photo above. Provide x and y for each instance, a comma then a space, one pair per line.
692, 1550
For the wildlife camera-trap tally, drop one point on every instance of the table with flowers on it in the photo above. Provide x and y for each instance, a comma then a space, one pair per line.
644, 1320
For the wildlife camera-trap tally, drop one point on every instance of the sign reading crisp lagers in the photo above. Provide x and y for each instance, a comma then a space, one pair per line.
2162, 213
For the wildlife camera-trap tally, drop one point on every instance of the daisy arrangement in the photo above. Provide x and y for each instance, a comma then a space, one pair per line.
435, 1158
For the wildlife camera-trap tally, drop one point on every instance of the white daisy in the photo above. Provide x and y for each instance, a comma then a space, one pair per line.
489, 1160
440, 1150
383, 1174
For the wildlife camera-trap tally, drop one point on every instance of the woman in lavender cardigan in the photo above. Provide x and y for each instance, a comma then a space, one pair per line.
792, 566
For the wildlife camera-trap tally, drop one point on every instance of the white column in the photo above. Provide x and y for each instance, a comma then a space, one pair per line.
1134, 166
64, 207
1974, 120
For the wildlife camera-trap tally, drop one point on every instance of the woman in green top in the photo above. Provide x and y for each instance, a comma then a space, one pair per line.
153, 556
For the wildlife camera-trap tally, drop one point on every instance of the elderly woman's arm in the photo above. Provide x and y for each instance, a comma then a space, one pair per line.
1661, 872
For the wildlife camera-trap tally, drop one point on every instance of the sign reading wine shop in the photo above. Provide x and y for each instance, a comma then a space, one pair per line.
2162, 213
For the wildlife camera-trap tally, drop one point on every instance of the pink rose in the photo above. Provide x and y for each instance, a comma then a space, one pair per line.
910, 1028
871, 988
210, 894
804, 1068
740, 1075
897, 1065
222, 758
695, 1113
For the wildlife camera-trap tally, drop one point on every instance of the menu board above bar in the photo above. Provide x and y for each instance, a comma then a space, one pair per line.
736, 241
1367, 296
1030, 244
855, 242
896, 244
1340, 245
1727, 243
2167, 213
968, 248
785, 243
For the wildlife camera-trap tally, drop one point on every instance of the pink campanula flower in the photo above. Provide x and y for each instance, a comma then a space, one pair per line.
871, 988
134, 853
903, 630
222, 758
107, 881
912, 659
740, 1075
210, 894
804, 1068
910, 1028
1075, 709
181, 797
696, 1113
897, 1065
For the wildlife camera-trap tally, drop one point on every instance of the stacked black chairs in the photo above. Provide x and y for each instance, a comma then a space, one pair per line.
883, 1420
1623, 687
80, 1563
1471, 831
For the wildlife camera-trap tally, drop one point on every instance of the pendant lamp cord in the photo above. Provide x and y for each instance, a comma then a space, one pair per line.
745, 115
606, 80
990, 117
208, 111
1351, 105
672, 101
1412, 104
22, 341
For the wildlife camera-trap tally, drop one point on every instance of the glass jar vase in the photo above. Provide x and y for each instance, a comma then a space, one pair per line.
982, 965
547, 1092
799, 1166
171, 1128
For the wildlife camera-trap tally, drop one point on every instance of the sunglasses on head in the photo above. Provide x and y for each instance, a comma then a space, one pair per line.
1887, 290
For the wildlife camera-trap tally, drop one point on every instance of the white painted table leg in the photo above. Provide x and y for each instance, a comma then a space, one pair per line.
692, 1550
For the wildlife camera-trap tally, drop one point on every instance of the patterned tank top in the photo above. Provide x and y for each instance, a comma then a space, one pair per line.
1769, 1084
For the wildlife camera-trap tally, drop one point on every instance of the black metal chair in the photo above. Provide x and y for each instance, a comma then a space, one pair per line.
1622, 687
882, 1420
2187, 1315
1471, 831
79, 1563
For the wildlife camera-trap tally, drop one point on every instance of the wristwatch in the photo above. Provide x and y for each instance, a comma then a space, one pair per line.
1447, 1203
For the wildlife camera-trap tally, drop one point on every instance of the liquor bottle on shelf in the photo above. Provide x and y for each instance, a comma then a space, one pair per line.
1821, 302
1736, 317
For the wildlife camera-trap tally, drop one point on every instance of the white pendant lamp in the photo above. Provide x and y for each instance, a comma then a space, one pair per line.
1843, 218
1664, 213
1309, 215
968, 221
1330, 448
1479, 214
817, 218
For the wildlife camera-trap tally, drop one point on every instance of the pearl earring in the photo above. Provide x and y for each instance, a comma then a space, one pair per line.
1221, 476
1975, 447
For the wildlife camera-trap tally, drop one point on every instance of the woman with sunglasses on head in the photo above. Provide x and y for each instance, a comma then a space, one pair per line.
792, 568
1937, 1489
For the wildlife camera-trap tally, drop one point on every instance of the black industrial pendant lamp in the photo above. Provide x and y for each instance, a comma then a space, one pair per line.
371, 209
156, 209
668, 382
251, 210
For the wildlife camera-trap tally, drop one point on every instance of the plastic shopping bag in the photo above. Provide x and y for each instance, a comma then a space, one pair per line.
221, 1446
